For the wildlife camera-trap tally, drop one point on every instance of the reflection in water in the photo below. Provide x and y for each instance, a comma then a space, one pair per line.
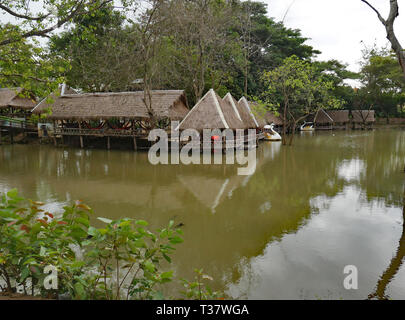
287, 231
394, 265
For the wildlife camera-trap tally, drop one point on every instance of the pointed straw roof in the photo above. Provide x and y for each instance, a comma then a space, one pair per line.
106, 105
322, 117
360, 116
231, 113
234, 103
17, 98
211, 112
339, 116
246, 113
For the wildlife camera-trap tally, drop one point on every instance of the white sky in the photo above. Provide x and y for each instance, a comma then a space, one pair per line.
337, 27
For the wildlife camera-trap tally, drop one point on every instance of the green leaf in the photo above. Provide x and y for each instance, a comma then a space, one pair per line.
149, 266
167, 275
12, 194
80, 291
141, 222
175, 240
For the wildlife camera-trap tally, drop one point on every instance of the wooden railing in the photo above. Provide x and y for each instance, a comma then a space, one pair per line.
97, 132
15, 123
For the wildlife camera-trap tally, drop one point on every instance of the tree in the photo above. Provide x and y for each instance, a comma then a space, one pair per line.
265, 44
383, 82
27, 63
389, 27
200, 45
337, 72
102, 52
294, 90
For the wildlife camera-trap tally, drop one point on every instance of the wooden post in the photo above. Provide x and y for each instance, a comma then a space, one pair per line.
135, 147
11, 134
81, 137
0, 135
108, 143
134, 134
55, 142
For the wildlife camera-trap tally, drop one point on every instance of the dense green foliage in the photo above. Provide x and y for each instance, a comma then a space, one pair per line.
121, 260
383, 83
296, 90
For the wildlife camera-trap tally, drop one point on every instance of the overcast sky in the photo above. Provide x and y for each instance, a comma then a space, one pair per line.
337, 27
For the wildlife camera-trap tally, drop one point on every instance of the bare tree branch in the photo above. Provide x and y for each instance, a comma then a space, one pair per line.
389, 27
22, 16
376, 11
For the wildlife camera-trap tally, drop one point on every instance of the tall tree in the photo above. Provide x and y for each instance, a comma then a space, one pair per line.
265, 44
102, 52
200, 44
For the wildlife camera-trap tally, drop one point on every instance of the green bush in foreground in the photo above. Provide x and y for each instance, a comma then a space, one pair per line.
122, 260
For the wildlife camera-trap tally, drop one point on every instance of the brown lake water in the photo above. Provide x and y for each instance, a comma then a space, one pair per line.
285, 232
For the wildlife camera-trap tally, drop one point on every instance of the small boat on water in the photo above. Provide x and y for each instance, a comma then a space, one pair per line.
307, 126
270, 134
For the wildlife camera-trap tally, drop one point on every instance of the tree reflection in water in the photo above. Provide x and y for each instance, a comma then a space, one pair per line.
394, 266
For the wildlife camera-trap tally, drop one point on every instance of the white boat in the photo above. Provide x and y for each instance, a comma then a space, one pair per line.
270, 134
307, 126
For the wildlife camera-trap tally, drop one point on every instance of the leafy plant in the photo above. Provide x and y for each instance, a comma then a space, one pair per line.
119, 261
199, 289
127, 259
31, 239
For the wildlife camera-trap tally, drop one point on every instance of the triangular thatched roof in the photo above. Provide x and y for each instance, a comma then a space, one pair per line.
211, 112
231, 117
322, 117
228, 98
246, 113
361, 116
130, 105
12, 97
332, 116
339, 116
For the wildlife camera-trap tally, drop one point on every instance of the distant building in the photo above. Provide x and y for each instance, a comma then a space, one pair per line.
16, 102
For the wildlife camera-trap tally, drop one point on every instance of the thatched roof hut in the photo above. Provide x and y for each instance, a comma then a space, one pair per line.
211, 112
323, 117
363, 116
332, 116
246, 113
228, 98
16, 98
339, 116
129, 105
